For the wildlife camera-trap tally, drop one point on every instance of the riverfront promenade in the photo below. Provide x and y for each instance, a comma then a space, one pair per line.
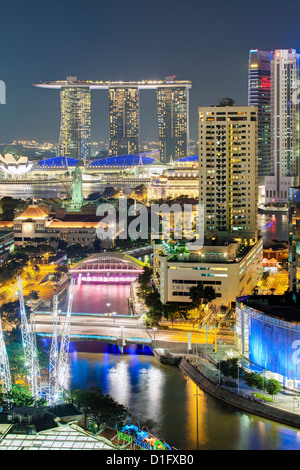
204, 372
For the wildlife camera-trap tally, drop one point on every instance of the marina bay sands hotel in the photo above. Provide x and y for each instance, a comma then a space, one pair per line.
123, 97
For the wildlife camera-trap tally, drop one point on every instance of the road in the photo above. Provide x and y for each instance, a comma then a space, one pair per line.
86, 325
278, 281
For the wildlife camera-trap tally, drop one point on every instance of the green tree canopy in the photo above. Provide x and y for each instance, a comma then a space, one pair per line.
201, 295
100, 408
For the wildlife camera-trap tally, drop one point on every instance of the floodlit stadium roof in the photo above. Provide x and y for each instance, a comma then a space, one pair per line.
193, 158
55, 162
124, 160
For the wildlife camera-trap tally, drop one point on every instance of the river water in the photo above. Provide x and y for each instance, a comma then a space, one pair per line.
159, 396
162, 398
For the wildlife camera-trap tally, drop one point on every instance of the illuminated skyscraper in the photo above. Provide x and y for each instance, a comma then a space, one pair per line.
173, 125
294, 239
172, 109
228, 186
124, 120
259, 95
285, 74
75, 128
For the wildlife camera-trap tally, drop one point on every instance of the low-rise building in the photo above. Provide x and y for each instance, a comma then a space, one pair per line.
230, 268
268, 333
34, 223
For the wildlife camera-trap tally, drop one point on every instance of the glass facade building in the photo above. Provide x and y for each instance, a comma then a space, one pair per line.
124, 120
285, 114
173, 125
294, 240
75, 129
259, 95
270, 341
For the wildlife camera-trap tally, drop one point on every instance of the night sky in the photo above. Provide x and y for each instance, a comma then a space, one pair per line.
206, 42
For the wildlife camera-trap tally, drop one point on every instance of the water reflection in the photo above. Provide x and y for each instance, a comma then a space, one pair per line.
101, 298
273, 226
163, 399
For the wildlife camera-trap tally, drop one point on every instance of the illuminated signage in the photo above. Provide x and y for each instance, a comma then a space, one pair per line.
141, 439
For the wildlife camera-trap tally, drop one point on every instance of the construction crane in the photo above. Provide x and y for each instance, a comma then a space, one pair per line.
29, 345
5, 376
63, 374
54, 357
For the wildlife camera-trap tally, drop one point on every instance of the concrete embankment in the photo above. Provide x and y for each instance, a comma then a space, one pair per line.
238, 401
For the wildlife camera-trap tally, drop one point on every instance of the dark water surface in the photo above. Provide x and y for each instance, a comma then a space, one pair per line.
164, 399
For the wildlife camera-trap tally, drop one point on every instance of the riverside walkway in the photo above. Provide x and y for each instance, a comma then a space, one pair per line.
206, 375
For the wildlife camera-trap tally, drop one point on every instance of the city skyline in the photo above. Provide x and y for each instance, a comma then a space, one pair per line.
98, 53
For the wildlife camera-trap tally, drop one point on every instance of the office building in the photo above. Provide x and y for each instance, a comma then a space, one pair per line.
294, 240
124, 120
228, 186
231, 269
285, 125
173, 123
259, 95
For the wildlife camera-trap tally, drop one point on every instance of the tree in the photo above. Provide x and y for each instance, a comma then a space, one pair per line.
201, 295
255, 290
19, 396
34, 295
254, 380
62, 245
171, 312
156, 308
273, 387
100, 408
62, 268
193, 316
9, 313
229, 367
97, 244
264, 277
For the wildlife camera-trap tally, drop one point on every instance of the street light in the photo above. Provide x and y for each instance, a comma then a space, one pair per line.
239, 365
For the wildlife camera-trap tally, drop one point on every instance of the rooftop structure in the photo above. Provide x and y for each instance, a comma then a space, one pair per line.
72, 82
124, 116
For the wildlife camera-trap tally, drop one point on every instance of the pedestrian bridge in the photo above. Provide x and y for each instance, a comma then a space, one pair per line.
108, 267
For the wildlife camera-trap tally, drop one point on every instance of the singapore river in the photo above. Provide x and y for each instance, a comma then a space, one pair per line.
159, 396
163, 399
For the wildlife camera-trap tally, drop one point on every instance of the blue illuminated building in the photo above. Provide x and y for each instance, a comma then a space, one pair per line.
123, 160
268, 334
57, 162
193, 158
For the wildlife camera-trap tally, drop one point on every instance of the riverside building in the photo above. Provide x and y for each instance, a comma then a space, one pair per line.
228, 186
294, 240
285, 74
231, 269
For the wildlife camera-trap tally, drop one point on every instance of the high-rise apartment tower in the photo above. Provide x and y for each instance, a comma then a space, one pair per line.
228, 186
